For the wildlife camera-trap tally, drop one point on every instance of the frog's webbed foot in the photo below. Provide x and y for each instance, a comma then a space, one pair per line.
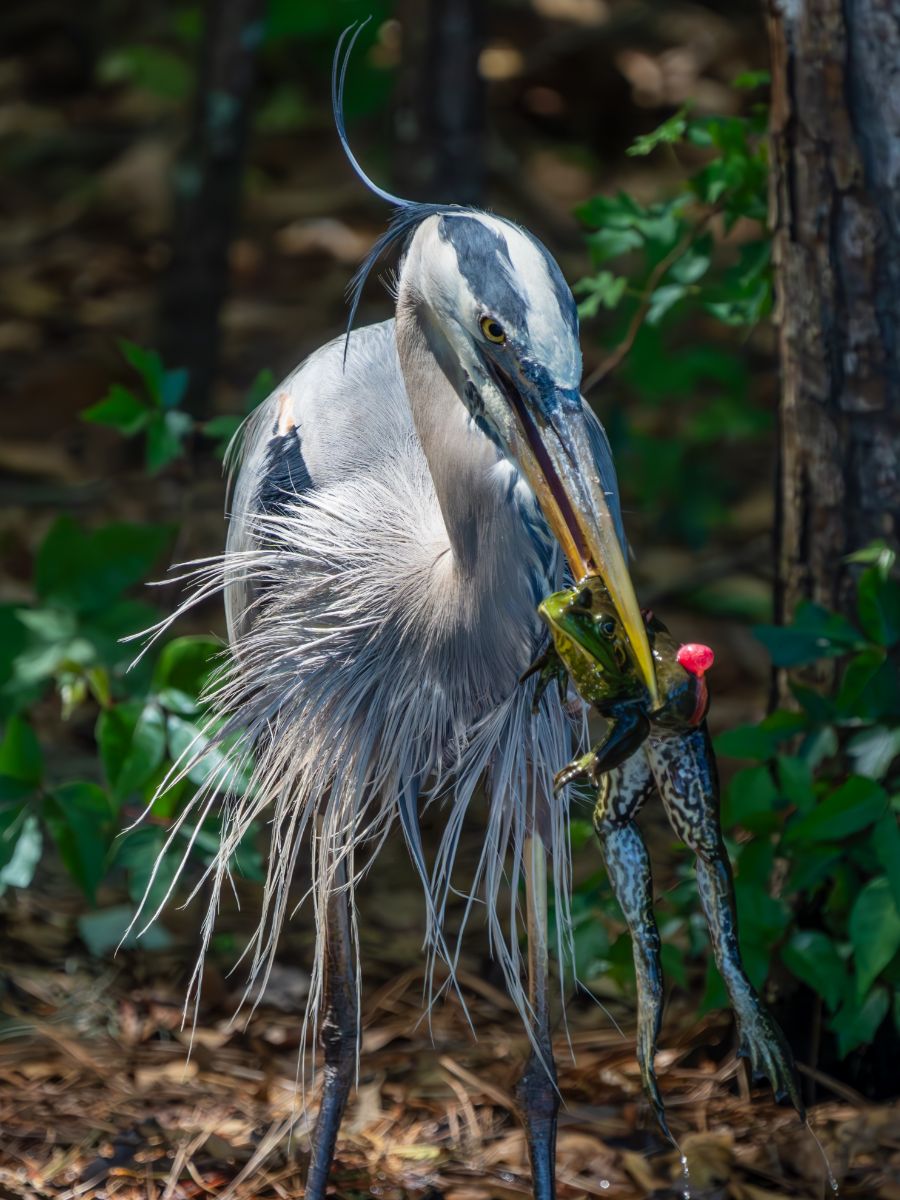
762, 1043
622, 792
628, 729
548, 667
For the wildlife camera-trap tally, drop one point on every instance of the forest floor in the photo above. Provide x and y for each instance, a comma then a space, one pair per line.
101, 1099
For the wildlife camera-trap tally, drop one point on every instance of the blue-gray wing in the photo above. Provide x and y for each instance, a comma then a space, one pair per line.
606, 469
322, 424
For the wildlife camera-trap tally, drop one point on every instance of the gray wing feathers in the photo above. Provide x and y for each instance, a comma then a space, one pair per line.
328, 420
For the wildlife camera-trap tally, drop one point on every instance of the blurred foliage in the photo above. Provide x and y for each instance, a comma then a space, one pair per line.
697, 261
811, 828
136, 715
153, 409
164, 63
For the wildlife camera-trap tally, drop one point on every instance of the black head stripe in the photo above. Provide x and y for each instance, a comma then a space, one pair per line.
483, 258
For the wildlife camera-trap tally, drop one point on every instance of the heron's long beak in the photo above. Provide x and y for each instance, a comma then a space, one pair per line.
557, 459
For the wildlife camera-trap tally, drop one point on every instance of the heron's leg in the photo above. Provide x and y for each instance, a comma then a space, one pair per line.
627, 730
536, 1091
685, 770
339, 1035
622, 792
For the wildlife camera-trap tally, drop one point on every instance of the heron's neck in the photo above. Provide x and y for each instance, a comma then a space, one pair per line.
462, 460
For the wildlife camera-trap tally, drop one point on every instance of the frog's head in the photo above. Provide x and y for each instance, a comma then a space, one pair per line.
591, 641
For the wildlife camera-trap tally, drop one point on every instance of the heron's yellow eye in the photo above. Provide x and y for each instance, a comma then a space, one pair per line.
493, 330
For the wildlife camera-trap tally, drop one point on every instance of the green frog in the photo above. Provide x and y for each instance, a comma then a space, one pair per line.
667, 749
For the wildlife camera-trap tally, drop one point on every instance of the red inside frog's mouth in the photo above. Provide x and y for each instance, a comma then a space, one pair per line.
696, 660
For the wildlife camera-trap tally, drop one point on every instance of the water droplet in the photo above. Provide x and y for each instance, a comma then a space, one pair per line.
685, 1179
832, 1182
604, 1183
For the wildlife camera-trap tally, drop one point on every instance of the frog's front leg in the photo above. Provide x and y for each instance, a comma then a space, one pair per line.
627, 730
622, 792
685, 771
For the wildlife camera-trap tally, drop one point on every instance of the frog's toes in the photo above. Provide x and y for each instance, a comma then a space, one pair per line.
576, 771
764, 1046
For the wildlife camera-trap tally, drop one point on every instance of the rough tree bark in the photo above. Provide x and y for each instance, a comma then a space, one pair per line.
439, 111
836, 209
207, 193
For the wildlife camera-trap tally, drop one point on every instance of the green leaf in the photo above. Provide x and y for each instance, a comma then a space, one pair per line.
132, 741
222, 430
174, 387
669, 132
260, 389
663, 299
874, 928
814, 633
856, 1024
874, 750
148, 365
20, 865
611, 243
886, 840
879, 606
762, 740
166, 435
21, 758
750, 80
752, 801
603, 289
149, 876
857, 803
814, 959
877, 553
87, 571
80, 818
795, 782
120, 409
107, 930
858, 675
151, 68
186, 663
207, 759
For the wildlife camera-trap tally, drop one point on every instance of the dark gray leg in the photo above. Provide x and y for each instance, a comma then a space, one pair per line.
685, 772
339, 1036
536, 1091
622, 792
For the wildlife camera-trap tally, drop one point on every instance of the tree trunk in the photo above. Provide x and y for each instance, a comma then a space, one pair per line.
207, 193
836, 209
440, 104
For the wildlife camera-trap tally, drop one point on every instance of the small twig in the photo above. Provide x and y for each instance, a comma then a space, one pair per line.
612, 360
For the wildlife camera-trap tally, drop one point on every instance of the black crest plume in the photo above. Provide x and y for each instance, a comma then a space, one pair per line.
407, 213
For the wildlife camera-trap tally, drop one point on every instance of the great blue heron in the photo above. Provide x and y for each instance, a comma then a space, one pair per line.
400, 507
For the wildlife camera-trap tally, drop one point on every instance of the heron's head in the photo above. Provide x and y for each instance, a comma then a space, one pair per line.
503, 325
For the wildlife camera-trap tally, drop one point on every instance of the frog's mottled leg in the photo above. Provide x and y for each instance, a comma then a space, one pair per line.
685, 770
622, 792
536, 1091
628, 728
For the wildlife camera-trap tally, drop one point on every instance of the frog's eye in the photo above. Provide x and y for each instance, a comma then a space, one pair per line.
493, 330
607, 627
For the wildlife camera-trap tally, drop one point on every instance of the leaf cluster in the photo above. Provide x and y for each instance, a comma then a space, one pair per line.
63, 660
696, 261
